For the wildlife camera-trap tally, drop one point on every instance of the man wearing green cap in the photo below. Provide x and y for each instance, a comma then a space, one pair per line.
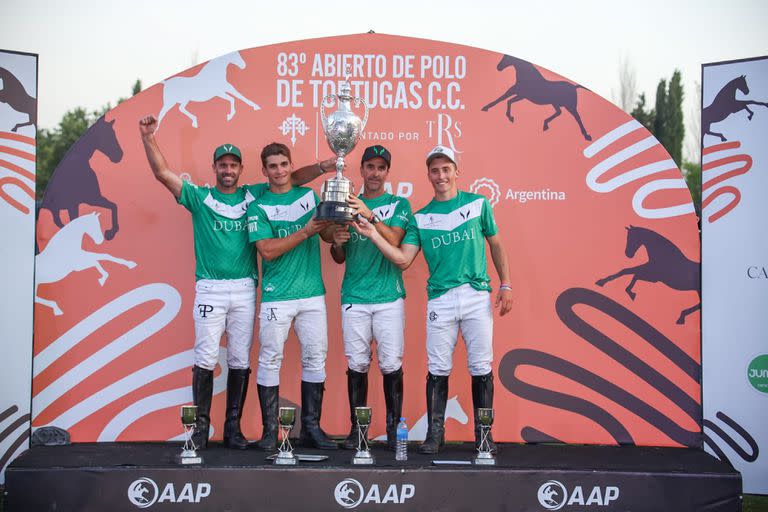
372, 293
226, 273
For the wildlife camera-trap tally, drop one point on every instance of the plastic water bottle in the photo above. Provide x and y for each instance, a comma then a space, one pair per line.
401, 448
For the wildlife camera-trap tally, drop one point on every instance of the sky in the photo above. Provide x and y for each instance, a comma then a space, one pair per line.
92, 51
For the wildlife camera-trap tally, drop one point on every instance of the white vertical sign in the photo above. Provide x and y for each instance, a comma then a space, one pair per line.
18, 121
735, 266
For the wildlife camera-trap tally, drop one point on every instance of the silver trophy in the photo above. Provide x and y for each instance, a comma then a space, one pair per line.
286, 418
363, 454
188, 453
342, 131
484, 455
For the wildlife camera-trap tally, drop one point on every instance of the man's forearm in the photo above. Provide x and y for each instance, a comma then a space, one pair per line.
499, 257
159, 165
393, 253
271, 248
391, 235
306, 174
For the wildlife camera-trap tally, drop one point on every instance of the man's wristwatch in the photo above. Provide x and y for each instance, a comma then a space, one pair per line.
374, 219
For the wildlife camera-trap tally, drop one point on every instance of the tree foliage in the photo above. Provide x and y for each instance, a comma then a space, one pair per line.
644, 116
665, 121
53, 144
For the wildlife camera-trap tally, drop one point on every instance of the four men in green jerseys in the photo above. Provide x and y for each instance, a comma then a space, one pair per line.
276, 219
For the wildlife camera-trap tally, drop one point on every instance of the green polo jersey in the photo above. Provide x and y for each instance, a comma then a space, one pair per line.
295, 274
222, 250
452, 235
370, 278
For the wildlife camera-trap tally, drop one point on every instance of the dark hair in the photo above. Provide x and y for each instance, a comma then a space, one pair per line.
272, 149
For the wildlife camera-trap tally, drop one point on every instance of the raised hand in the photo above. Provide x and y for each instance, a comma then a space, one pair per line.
147, 125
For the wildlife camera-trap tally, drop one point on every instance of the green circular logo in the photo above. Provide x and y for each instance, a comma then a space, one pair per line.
757, 373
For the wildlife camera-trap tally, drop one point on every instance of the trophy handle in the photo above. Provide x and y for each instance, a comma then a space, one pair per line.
323, 117
358, 101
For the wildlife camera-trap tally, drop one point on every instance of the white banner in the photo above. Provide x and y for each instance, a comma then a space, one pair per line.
18, 120
735, 266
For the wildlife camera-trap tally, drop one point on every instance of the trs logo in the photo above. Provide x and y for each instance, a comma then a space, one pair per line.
144, 493
349, 493
553, 495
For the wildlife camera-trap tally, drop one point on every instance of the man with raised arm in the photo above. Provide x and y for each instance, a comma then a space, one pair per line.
282, 226
372, 293
225, 270
452, 230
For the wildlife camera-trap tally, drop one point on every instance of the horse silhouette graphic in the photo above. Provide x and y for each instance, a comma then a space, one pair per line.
532, 86
666, 263
210, 82
725, 104
74, 182
64, 254
14, 94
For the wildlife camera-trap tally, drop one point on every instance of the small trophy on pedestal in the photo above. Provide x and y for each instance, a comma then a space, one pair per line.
363, 454
484, 455
286, 418
342, 131
188, 453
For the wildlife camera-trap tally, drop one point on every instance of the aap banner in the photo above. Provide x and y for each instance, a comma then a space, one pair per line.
602, 345
734, 123
18, 119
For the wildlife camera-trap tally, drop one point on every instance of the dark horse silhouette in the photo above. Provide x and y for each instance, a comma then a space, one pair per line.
14, 94
725, 104
532, 86
666, 263
74, 182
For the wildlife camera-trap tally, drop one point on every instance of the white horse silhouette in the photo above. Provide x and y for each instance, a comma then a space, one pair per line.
210, 82
64, 254
418, 432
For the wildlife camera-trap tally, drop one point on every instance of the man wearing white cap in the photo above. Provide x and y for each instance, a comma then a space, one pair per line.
452, 230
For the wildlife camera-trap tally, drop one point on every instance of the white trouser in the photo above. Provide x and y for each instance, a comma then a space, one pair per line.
311, 327
226, 304
462, 308
361, 323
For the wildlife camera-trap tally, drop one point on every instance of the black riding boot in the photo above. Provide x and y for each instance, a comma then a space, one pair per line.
437, 399
357, 389
269, 399
482, 396
393, 397
237, 389
202, 392
311, 409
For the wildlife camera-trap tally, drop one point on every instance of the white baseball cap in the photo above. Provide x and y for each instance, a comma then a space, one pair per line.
443, 151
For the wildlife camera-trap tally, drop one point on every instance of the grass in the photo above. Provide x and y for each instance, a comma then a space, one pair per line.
755, 503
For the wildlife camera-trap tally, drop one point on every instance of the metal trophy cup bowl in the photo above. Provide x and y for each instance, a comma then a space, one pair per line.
484, 455
188, 453
342, 131
363, 454
286, 418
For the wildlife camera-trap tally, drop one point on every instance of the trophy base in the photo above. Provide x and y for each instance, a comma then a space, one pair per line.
484, 459
363, 458
335, 211
286, 459
188, 457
